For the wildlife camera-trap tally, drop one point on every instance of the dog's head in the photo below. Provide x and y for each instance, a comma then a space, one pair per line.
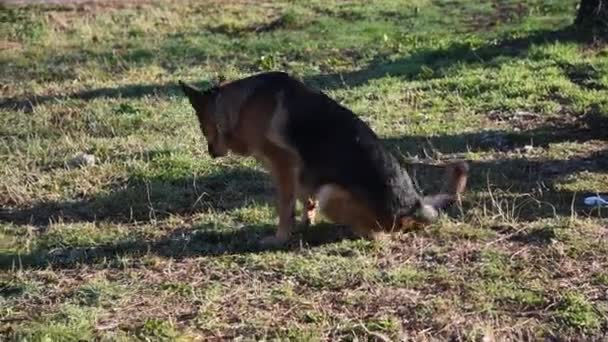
430, 206
203, 103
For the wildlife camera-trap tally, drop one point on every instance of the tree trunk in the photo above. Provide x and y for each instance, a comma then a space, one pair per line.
592, 18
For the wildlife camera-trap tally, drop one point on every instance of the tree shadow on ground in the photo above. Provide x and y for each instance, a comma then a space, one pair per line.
419, 62
512, 173
152, 199
205, 240
130, 91
542, 133
524, 188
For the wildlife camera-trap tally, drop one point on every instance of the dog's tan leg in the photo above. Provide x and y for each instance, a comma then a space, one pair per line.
285, 178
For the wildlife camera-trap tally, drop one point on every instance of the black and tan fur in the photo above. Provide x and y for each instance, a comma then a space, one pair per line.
318, 152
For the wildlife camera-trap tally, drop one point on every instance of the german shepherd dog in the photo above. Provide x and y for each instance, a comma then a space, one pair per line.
319, 152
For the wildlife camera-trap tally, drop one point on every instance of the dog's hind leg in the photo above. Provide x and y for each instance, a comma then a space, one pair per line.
309, 205
341, 207
309, 211
306, 196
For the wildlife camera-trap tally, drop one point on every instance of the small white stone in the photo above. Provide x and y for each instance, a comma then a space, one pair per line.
82, 159
487, 338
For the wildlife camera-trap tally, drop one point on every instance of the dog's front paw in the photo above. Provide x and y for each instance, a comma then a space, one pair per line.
274, 241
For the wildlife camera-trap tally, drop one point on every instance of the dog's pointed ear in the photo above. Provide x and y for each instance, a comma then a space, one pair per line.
194, 95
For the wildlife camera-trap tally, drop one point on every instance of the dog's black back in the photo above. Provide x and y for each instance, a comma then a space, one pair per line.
337, 147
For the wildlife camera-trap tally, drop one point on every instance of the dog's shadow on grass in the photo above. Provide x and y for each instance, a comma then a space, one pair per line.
205, 240
145, 200
148, 202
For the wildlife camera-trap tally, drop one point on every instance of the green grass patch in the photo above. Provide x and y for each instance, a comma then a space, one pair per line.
576, 312
70, 323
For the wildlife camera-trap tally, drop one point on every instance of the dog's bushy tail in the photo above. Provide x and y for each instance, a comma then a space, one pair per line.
455, 184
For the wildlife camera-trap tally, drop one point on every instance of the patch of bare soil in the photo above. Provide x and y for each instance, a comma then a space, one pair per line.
8, 45
503, 12
526, 120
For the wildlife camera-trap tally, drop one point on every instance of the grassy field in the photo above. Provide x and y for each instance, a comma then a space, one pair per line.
155, 241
